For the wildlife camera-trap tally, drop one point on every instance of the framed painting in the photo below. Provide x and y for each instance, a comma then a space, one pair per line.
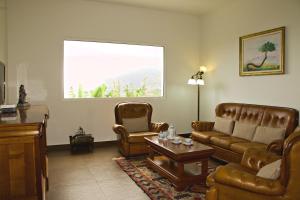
262, 53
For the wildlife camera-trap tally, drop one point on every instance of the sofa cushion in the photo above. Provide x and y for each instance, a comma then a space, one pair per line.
139, 137
136, 124
244, 130
225, 142
205, 135
267, 135
223, 125
270, 171
242, 147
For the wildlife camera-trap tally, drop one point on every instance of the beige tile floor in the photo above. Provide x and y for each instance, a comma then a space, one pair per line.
90, 176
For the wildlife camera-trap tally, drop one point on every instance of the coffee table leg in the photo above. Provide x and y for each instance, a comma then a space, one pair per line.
180, 169
151, 153
180, 173
204, 168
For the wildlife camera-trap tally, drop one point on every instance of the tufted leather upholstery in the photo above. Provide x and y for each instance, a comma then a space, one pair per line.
229, 110
236, 182
277, 117
251, 114
132, 110
271, 116
134, 144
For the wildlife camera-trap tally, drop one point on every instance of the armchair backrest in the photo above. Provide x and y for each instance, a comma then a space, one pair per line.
290, 173
132, 110
262, 115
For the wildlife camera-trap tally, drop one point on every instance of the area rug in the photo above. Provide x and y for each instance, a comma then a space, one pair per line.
156, 186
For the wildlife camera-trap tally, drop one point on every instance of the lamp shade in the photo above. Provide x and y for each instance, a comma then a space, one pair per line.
200, 82
196, 82
192, 81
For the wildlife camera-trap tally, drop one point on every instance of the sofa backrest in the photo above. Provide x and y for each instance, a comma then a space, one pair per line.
229, 110
262, 115
290, 174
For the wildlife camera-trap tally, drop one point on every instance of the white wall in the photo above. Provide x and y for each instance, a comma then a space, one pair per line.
220, 52
36, 30
3, 39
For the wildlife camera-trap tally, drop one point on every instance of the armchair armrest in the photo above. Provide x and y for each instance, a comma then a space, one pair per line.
121, 130
202, 126
276, 146
255, 159
158, 126
231, 176
210, 180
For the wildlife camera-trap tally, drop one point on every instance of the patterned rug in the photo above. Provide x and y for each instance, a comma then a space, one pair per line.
156, 186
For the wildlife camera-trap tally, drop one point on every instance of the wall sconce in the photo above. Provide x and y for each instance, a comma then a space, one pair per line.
196, 79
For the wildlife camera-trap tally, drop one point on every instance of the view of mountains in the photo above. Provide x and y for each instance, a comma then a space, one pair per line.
152, 78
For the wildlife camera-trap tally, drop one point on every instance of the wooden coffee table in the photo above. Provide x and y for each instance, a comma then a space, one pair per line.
183, 165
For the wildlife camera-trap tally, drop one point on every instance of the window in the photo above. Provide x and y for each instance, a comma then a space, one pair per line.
95, 69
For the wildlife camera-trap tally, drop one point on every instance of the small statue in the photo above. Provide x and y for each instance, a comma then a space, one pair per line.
22, 97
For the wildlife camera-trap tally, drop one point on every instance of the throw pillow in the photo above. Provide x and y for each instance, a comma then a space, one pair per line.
223, 125
244, 130
136, 124
270, 171
267, 135
297, 129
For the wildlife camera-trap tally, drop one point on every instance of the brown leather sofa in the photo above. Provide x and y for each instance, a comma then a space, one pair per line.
133, 143
239, 181
230, 148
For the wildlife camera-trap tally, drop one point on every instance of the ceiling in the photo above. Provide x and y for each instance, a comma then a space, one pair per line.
194, 7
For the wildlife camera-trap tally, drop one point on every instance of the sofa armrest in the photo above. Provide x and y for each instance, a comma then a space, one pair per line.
120, 130
202, 126
158, 126
255, 159
231, 176
276, 146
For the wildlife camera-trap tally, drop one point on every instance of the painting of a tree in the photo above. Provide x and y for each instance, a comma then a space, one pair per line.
265, 48
262, 53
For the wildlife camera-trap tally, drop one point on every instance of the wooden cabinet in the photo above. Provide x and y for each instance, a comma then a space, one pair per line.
23, 154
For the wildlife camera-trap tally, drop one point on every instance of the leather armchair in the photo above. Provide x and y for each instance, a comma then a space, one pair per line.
239, 181
131, 144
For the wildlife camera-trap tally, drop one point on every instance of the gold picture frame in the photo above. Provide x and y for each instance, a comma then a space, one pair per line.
262, 53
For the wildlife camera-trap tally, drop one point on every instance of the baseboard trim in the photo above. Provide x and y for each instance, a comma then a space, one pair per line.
62, 147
